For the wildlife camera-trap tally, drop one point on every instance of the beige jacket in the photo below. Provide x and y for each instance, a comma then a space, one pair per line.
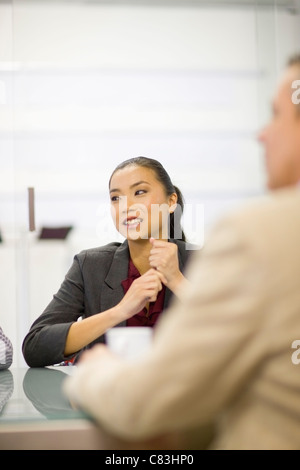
224, 354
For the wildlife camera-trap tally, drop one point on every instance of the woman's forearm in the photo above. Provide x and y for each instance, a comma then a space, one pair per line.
83, 332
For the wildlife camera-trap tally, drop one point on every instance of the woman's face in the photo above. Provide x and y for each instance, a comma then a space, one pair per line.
139, 205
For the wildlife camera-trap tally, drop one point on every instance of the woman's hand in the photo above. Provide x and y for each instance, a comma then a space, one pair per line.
164, 258
144, 289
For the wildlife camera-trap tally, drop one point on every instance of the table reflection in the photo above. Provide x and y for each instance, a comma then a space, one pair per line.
43, 387
6, 387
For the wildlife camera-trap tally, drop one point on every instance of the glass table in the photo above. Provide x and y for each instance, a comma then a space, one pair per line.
36, 415
34, 395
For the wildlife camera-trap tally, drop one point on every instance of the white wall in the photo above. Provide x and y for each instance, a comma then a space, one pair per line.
87, 86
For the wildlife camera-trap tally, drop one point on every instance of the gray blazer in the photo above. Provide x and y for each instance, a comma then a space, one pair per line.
92, 285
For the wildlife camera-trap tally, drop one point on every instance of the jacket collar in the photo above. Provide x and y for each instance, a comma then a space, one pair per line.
118, 270
112, 290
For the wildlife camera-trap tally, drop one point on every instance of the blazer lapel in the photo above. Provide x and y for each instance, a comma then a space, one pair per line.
112, 290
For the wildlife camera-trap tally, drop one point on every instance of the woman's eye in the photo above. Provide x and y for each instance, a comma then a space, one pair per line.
140, 191
114, 198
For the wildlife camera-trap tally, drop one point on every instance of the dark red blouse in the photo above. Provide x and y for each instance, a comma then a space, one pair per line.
143, 318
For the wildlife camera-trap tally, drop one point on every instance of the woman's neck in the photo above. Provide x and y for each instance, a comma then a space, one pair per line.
139, 253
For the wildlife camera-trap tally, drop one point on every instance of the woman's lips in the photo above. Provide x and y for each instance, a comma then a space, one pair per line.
133, 221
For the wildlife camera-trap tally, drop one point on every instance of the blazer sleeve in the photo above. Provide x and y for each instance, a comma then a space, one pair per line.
45, 342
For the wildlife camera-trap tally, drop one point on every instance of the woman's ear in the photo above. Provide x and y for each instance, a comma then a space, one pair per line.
172, 203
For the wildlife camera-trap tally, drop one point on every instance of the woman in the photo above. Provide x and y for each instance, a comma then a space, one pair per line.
127, 284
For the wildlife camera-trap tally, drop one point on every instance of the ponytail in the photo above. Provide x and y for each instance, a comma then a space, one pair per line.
176, 230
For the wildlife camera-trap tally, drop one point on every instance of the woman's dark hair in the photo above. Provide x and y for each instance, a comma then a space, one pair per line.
163, 177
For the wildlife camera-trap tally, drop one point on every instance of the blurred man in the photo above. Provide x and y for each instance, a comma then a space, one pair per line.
225, 354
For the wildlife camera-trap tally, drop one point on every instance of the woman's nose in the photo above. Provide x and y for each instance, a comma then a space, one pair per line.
123, 204
127, 204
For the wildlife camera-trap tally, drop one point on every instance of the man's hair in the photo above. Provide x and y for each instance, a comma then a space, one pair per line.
294, 61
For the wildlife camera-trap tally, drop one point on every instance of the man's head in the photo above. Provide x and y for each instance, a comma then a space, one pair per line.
281, 137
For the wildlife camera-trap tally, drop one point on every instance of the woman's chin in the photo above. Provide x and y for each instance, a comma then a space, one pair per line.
136, 236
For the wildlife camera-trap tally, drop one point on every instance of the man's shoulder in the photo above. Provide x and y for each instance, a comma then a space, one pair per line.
263, 219
269, 205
